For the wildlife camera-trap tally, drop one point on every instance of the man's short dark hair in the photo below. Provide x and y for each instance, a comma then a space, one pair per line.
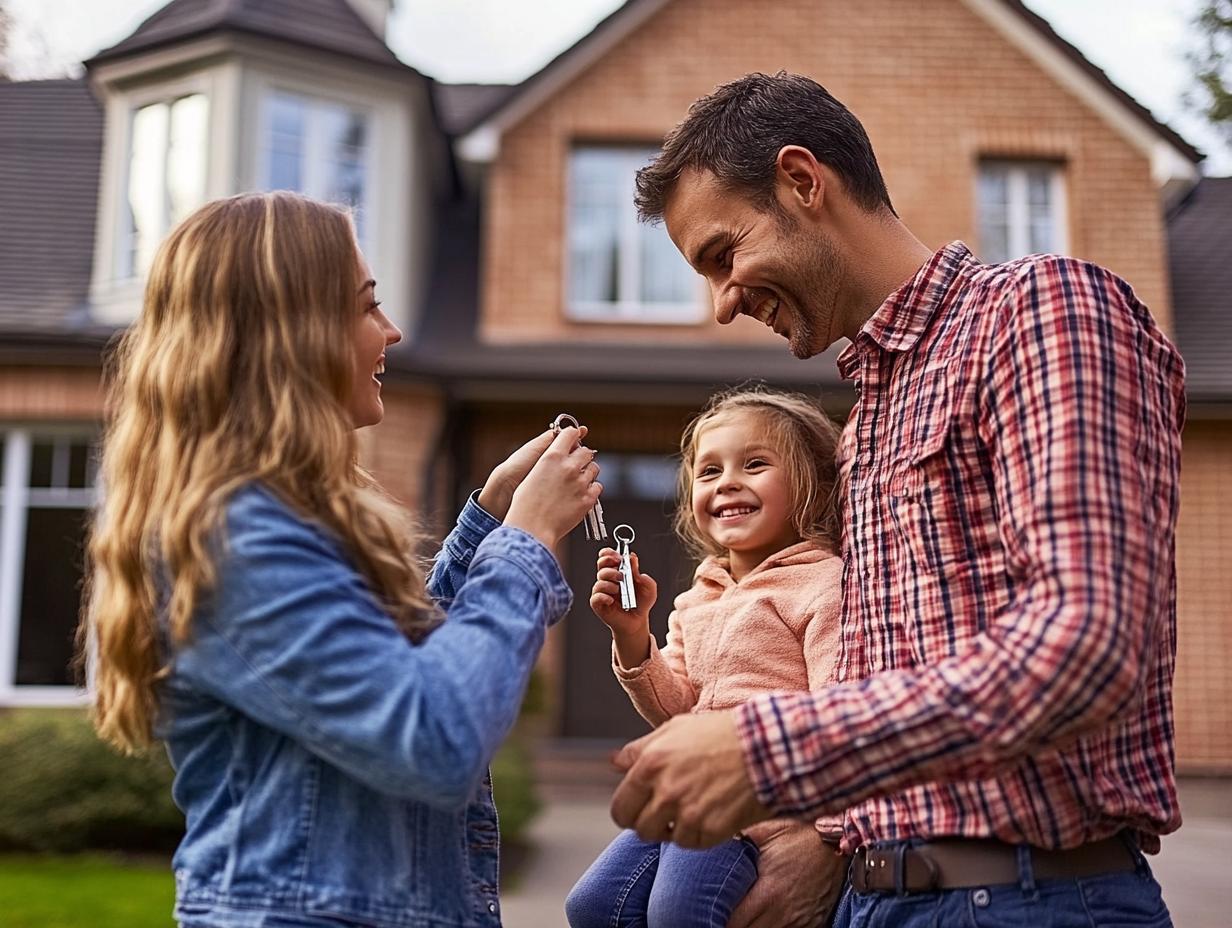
736, 134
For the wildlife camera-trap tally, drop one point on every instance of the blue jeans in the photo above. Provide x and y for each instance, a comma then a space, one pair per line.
1112, 900
636, 884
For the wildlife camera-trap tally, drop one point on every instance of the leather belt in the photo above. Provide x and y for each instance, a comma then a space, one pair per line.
957, 863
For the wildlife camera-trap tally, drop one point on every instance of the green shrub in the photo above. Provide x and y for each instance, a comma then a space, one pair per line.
513, 786
61, 789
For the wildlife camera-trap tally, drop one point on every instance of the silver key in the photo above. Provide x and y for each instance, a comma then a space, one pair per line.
593, 523
628, 593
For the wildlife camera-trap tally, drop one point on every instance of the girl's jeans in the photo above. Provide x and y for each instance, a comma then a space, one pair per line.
635, 884
1121, 899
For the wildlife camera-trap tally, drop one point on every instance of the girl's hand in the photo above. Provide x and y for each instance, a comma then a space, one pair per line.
558, 491
605, 599
497, 492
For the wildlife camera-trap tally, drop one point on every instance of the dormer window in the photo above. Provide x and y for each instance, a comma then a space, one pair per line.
166, 173
319, 148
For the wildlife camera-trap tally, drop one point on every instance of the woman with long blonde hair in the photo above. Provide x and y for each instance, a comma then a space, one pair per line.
255, 599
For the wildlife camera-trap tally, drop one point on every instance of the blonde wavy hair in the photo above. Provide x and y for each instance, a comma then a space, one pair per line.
801, 432
237, 370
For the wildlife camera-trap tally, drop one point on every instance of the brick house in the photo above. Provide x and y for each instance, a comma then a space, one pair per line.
527, 288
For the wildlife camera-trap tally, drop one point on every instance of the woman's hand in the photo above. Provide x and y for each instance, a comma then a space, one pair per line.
630, 630
497, 492
560, 488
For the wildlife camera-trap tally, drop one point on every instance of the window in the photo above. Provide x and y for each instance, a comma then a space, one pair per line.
1021, 209
318, 148
621, 270
166, 174
47, 489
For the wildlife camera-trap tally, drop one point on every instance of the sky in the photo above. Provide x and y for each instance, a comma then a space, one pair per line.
1140, 44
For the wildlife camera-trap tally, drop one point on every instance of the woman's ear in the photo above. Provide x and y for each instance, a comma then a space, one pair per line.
800, 179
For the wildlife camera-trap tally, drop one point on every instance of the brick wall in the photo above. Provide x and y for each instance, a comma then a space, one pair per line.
401, 449
936, 87
397, 451
41, 394
1203, 687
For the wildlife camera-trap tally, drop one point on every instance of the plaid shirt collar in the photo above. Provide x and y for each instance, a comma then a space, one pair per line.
899, 322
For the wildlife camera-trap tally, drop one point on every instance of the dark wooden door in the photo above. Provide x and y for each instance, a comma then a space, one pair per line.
637, 490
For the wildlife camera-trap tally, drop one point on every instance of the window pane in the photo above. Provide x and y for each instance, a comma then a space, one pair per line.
666, 276
994, 188
994, 238
286, 142
651, 477
1040, 210
42, 462
595, 191
345, 140
186, 151
146, 185
50, 596
80, 474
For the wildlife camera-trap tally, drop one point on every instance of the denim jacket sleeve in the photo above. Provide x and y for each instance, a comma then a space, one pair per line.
293, 638
454, 559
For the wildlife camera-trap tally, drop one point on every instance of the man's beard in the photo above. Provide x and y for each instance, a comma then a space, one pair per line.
816, 273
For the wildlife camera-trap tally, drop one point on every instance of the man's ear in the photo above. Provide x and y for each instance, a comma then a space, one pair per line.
800, 179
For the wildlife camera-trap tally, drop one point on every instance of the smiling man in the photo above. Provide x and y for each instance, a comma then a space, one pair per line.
1001, 736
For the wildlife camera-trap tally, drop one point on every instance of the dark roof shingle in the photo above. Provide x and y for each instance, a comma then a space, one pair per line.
1200, 262
460, 107
51, 139
332, 25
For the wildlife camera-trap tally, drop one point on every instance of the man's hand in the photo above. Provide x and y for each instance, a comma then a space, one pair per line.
799, 878
686, 782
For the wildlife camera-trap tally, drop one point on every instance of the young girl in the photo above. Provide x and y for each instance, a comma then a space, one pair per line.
758, 501
256, 601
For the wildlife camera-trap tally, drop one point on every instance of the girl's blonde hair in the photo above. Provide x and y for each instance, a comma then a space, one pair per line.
237, 370
806, 438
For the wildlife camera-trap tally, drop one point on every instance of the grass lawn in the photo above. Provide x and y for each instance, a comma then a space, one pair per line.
84, 891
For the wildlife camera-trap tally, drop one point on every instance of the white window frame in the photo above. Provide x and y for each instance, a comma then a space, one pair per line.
18, 499
1018, 217
315, 152
628, 311
122, 263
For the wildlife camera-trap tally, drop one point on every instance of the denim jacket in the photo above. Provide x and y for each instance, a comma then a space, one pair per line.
331, 772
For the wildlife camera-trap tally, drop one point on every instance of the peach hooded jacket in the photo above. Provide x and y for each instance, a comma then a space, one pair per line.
777, 629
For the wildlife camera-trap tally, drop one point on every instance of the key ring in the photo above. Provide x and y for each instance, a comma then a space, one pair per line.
564, 420
626, 541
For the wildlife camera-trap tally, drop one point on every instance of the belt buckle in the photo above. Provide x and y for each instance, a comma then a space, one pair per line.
888, 871
857, 871
866, 868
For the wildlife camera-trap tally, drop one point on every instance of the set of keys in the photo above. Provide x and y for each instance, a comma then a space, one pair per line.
628, 595
597, 531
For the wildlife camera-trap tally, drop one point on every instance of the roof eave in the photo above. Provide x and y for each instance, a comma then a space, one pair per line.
117, 54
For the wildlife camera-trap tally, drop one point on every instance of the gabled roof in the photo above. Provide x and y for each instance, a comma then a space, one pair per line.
1170, 155
460, 106
329, 25
1200, 262
51, 142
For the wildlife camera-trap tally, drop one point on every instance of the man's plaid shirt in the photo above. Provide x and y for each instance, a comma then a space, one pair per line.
1009, 618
